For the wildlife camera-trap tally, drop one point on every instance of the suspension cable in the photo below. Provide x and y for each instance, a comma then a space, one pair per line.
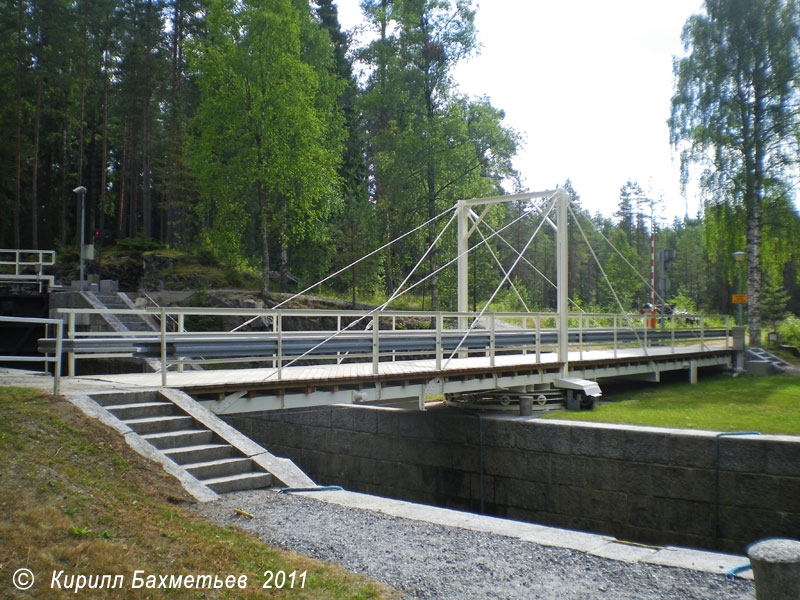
352, 264
622, 256
530, 264
397, 292
588, 245
602, 270
499, 264
497, 289
376, 309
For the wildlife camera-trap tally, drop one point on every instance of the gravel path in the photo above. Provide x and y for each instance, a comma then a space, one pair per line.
423, 560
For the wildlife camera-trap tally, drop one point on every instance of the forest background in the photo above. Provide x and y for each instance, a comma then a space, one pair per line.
257, 133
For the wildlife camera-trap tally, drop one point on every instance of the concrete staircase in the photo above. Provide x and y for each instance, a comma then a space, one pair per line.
761, 362
118, 301
197, 449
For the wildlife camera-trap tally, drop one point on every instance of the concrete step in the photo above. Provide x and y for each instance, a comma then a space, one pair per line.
220, 468
142, 409
243, 481
201, 453
160, 424
179, 439
120, 398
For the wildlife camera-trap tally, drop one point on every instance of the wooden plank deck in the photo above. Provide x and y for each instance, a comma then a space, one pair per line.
414, 368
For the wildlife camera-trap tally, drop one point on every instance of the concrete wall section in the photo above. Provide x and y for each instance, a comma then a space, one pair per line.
658, 486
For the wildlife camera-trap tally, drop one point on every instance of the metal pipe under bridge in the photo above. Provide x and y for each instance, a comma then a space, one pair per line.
392, 358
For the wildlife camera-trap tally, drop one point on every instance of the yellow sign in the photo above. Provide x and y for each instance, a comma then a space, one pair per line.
739, 298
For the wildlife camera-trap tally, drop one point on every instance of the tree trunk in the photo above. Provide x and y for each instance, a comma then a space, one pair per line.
18, 163
431, 185
754, 274
432, 234
104, 154
78, 220
122, 172
62, 192
265, 271
284, 268
146, 201
34, 186
175, 146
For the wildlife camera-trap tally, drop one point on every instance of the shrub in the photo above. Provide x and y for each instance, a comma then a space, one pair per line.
789, 330
138, 244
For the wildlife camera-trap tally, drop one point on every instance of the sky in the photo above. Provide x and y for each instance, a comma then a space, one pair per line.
588, 84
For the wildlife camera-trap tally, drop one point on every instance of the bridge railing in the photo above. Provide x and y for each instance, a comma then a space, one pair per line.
56, 352
647, 331
16, 266
282, 338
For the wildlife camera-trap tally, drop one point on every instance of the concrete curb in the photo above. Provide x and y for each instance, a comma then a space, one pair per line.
597, 545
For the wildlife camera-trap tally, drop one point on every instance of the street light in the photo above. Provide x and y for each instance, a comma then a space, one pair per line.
739, 257
81, 191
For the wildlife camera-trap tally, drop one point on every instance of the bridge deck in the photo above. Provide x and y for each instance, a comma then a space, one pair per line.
404, 382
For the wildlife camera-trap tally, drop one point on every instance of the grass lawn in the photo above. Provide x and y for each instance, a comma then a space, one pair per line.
75, 497
716, 403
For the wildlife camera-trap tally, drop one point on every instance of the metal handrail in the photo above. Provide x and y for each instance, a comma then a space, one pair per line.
615, 331
149, 298
57, 354
44, 258
20, 254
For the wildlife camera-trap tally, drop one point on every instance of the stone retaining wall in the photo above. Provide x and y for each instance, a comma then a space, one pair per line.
651, 485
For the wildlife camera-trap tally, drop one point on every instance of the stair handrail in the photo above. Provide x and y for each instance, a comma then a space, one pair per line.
152, 300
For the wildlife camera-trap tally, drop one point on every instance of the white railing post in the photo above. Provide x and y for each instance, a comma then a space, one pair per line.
181, 328
71, 336
338, 329
580, 336
702, 334
394, 325
439, 323
672, 335
537, 321
492, 326
163, 347
646, 325
524, 329
279, 322
375, 342
57, 372
614, 326
727, 331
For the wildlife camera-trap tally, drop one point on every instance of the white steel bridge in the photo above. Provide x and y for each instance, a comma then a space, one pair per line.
390, 364
400, 358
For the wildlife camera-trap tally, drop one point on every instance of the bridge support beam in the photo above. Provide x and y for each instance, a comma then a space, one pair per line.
562, 279
463, 261
693, 372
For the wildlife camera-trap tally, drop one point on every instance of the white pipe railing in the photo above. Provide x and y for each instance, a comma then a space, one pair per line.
56, 358
22, 260
635, 329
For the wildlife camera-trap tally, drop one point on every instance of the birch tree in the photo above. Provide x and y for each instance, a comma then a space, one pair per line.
735, 112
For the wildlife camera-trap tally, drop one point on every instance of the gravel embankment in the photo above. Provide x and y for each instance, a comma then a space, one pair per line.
423, 560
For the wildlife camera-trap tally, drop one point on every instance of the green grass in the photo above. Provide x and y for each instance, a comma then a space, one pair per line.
74, 496
716, 403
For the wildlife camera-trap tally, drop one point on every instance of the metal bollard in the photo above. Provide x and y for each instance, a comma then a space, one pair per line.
526, 406
776, 568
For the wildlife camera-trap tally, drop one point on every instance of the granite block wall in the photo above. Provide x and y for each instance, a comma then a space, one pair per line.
658, 486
